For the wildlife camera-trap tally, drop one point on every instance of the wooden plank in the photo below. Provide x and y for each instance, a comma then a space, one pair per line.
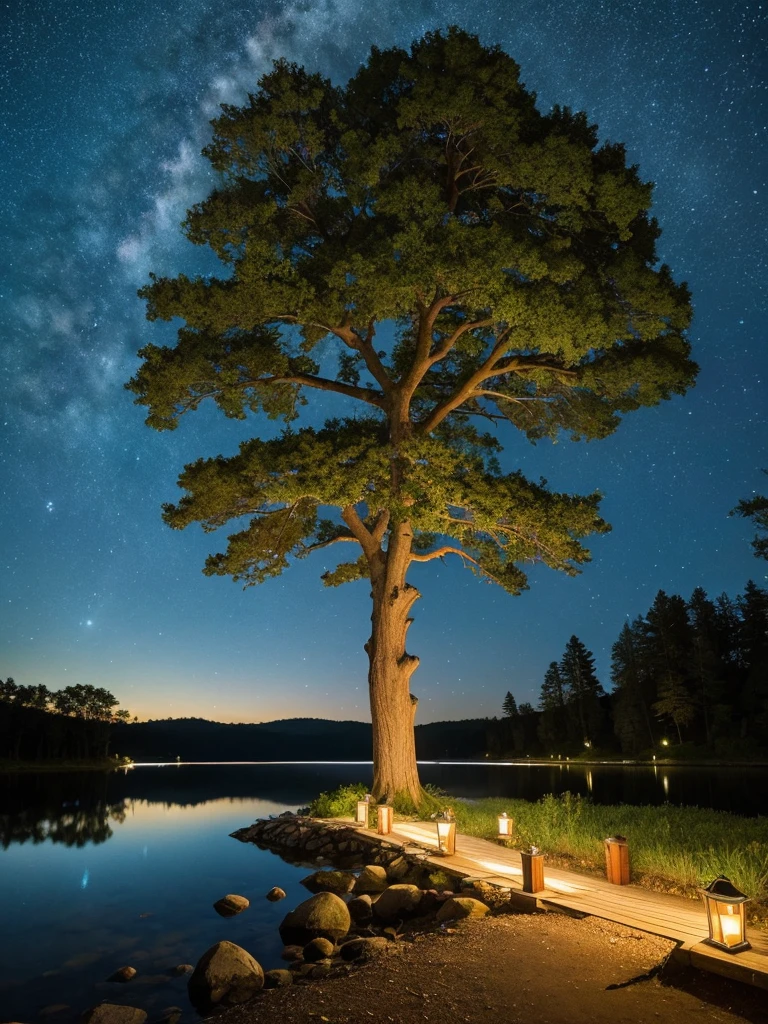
673, 917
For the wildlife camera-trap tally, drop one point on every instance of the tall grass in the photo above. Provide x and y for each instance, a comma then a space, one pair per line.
677, 848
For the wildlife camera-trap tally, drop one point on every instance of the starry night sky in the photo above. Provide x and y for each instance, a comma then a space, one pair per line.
105, 107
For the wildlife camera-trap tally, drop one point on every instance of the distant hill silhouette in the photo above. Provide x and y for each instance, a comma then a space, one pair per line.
290, 739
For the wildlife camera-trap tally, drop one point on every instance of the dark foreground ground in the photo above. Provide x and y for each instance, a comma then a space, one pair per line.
527, 968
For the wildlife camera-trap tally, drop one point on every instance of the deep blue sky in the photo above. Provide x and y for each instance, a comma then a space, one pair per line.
105, 107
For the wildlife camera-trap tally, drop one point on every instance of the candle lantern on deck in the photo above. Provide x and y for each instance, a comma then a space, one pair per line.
384, 819
362, 810
506, 824
725, 916
446, 833
533, 869
617, 860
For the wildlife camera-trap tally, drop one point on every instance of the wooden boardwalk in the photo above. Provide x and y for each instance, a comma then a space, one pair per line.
682, 920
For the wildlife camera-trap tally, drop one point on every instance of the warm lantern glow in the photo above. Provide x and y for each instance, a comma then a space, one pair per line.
384, 819
725, 915
446, 833
532, 863
362, 810
506, 825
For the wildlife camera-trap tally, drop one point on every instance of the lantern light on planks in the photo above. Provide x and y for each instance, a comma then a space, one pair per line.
506, 824
725, 915
617, 860
446, 832
384, 819
362, 810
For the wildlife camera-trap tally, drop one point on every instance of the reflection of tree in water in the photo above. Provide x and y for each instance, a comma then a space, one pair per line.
73, 810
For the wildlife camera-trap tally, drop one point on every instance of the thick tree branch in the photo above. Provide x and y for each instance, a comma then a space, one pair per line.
363, 343
447, 549
361, 532
323, 384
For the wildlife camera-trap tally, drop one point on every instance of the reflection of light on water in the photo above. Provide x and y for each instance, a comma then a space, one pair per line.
665, 784
589, 781
84, 880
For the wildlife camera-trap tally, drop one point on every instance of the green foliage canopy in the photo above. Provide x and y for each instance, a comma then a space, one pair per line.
515, 258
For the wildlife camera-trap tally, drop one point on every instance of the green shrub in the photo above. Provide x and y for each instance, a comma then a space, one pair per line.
339, 803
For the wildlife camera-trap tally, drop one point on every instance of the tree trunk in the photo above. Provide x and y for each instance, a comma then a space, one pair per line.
393, 708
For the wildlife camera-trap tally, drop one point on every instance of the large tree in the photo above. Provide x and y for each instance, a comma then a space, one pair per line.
429, 248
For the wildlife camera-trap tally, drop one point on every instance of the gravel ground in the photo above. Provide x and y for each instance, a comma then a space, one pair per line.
542, 968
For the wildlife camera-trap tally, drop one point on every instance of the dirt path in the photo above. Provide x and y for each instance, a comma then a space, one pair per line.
536, 969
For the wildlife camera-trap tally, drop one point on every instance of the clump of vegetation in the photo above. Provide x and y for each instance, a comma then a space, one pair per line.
672, 848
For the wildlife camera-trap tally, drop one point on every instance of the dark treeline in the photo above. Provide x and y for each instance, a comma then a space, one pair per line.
689, 672
71, 724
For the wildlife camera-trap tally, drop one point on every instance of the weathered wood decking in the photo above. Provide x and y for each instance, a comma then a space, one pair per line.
673, 917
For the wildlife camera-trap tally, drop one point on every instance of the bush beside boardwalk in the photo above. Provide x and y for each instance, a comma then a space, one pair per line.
673, 849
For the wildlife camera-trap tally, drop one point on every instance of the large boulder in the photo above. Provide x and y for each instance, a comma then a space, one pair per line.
459, 907
396, 902
231, 904
110, 1013
372, 878
340, 882
323, 916
225, 975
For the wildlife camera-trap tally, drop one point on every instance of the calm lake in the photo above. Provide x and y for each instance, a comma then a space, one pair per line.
102, 871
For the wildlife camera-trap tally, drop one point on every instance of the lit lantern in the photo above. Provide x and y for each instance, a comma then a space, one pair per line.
384, 819
725, 916
506, 825
446, 833
362, 811
533, 869
617, 860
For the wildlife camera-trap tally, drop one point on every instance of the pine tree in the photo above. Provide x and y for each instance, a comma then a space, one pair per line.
509, 707
753, 637
552, 730
582, 688
465, 257
756, 509
633, 689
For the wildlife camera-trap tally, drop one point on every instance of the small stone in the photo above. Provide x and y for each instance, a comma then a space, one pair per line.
53, 1009
320, 970
372, 878
364, 948
170, 1015
230, 905
275, 894
180, 969
318, 949
340, 882
278, 978
397, 868
461, 907
225, 975
123, 974
389, 933
109, 1013
397, 901
360, 909
292, 953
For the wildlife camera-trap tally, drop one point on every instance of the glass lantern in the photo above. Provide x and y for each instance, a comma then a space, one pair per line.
725, 916
506, 824
362, 811
384, 819
446, 833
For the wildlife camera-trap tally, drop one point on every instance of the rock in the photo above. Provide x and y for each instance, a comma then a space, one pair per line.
123, 974
230, 905
292, 953
339, 882
180, 969
360, 909
397, 868
389, 933
225, 975
109, 1013
277, 978
320, 970
363, 949
371, 879
459, 907
53, 1009
323, 916
170, 1015
397, 901
429, 902
275, 894
318, 949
